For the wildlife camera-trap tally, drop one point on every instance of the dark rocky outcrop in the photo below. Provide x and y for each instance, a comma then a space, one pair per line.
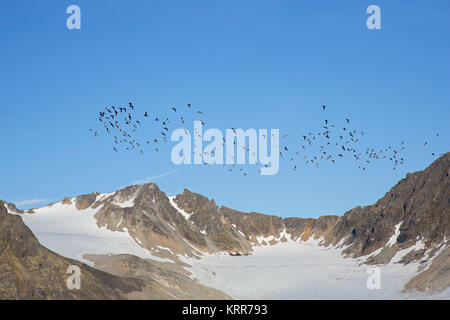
420, 202
30, 271
85, 201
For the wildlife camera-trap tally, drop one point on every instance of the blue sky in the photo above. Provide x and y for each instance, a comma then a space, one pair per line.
245, 64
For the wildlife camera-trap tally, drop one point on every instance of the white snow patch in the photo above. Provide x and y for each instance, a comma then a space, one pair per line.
103, 196
181, 211
442, 246
266, 240
73, 233
195, 251
144, 212
165, 248
125, 204
171, 226
370, 255
393, 239
419, 245
173, 296
313, 241
296, 270
284, 234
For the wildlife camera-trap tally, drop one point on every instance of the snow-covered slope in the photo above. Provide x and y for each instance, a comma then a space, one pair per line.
72, 233
303, 270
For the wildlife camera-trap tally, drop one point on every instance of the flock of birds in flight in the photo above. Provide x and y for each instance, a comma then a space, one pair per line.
123, 125
329, 144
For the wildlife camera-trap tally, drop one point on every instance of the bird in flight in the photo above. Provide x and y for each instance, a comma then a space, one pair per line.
325, 137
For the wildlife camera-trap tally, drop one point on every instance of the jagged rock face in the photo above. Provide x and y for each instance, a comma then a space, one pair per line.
253, 224
234, 231
147, 214
85, 201
212, 223
420, 202
30, 271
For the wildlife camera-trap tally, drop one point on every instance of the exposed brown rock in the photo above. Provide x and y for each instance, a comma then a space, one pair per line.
30, 271
67, 201
85, 201
435, 278
421, 200
162, 281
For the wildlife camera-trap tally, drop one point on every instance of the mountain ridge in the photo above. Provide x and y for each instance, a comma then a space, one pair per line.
411, 220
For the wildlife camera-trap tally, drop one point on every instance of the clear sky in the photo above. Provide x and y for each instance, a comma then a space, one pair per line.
245, 64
